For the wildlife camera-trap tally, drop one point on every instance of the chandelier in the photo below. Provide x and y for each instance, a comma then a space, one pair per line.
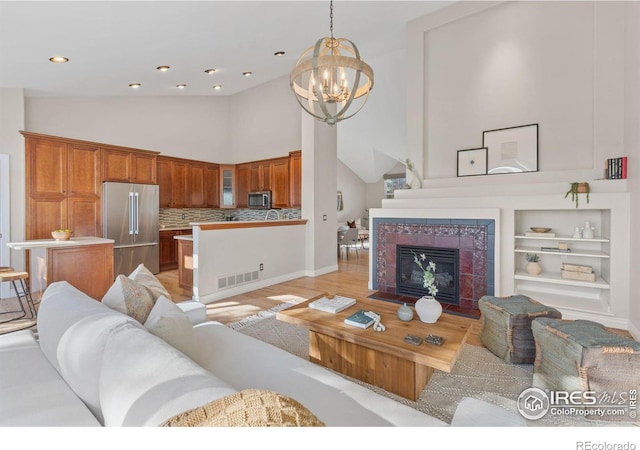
330, 77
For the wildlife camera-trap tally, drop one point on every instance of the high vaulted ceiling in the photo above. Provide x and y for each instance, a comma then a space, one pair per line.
111, 44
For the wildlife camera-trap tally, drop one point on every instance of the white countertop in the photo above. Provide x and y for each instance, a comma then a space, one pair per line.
184, 237
46, 243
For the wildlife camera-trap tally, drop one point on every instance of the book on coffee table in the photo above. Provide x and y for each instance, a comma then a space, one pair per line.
359, 319
332, 305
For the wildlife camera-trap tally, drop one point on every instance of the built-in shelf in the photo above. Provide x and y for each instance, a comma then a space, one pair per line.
555, 278
561, 238
585, 253
549, 287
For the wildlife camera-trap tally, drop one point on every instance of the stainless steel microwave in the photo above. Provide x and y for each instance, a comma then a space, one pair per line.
259, 200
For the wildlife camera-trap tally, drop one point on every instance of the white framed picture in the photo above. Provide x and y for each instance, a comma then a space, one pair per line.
472, 161
512, 150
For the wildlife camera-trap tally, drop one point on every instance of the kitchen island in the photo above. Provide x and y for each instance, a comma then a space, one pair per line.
84, 262
230, 258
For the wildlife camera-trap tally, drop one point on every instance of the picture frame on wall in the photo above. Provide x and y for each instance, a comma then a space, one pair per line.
472, 161
512, 150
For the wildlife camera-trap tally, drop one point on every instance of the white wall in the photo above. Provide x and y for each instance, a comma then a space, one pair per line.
188, 127
12, 144
478, 66
372, 141
265, 121
632, 141
353, 194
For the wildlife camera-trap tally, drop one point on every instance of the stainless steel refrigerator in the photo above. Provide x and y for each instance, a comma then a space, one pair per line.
130, 218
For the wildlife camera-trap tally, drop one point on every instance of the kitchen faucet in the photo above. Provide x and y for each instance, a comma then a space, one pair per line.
266, 217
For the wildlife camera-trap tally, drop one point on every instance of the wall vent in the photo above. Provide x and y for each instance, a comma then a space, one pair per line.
240, 278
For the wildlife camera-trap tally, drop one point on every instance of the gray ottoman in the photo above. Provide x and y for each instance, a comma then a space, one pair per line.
506, 326
581, 355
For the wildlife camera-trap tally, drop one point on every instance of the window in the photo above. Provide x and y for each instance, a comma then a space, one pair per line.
393, 182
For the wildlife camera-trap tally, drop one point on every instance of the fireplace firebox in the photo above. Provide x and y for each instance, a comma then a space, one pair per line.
409, 275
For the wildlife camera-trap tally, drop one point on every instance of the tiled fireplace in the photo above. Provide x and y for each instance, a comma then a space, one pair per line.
474, 240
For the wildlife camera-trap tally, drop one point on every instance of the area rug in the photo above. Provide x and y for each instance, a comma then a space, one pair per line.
477, 373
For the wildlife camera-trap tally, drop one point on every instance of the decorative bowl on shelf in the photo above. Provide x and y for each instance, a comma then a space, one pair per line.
540, 229
61, 235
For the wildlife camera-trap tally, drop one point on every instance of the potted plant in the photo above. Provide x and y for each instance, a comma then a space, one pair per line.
533, 266
578, 188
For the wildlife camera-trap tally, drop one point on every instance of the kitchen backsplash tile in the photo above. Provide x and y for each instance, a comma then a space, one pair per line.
179, 217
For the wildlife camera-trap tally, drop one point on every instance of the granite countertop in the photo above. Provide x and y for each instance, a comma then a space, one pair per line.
46, 243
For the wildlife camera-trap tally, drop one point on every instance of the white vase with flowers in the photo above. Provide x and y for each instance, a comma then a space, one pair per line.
428, 308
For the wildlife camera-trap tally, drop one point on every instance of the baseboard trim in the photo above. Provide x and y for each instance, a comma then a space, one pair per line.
248, 287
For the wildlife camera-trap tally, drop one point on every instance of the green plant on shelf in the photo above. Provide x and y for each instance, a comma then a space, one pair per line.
576, 189
532, 257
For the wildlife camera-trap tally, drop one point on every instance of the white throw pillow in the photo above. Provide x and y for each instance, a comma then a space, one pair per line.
167, 321
130, 298
144, 276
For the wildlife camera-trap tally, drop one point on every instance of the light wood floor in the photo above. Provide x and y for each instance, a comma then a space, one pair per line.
350, 280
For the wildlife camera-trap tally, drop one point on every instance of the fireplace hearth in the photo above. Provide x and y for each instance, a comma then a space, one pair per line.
409, 276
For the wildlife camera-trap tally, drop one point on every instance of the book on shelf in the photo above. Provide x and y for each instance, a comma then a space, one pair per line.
534, 234
359, 319
617, 168
332, 305
555, 249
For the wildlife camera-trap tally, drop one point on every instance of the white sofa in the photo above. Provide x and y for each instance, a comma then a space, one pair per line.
94, 366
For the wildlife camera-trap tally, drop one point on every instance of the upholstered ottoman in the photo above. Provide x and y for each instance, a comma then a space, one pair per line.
581, 355
506, 326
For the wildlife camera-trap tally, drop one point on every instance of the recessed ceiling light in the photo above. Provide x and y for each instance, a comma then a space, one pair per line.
163, 68
135, 85
280, 53
217, 87
209, 71
58, 59
247, 74
181, 86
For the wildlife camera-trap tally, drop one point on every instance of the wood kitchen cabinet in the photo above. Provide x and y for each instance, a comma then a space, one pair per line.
186, 183
295, 179
169, 248
96, 263
279, 182
63, 188
129, 166
212, 185
259, 176
243, 184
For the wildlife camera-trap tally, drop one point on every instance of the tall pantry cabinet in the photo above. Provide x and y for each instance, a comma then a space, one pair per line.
63, 186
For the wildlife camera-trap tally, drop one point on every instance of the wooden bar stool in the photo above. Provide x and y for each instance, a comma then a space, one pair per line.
20, 278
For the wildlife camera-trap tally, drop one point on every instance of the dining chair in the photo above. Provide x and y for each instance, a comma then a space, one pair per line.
350, 239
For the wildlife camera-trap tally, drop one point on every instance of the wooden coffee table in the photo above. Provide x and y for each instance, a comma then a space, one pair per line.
382, 359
